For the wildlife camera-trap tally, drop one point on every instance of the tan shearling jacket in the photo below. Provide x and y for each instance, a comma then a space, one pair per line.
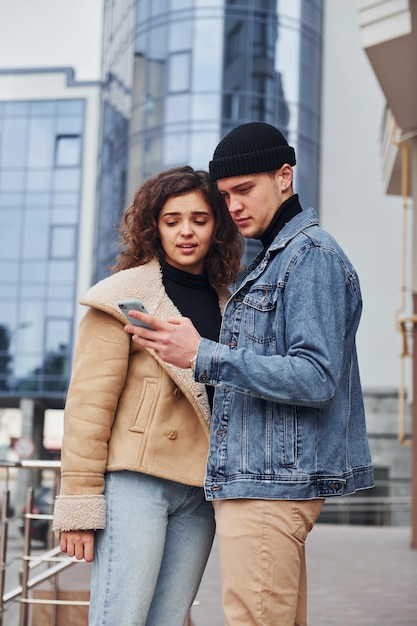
126, 409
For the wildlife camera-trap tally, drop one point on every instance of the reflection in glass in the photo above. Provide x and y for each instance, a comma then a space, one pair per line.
39, 180
6, 358
177, 108
35, 234
202, 146
180, 35
8, 198
67, 150
64, 216
14, 142
60, 291
40, 149
10, 228
61, 272
60, 308
8, 291
158, 43
66, 179
41, 142
12, 180
33, 271
158, 6
208, 55
66, 198
47, 108
175, 148
16, 109
33, 291
58, 333
63, 240
9, 272
37, 198
206, 107
70, 107
72, 125
179, 72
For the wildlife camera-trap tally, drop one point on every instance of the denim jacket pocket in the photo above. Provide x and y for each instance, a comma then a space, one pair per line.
259, 308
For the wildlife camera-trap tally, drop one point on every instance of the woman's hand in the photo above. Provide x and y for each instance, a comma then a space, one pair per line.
78, 543
175, 340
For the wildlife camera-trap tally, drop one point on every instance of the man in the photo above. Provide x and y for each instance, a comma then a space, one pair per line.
288, 426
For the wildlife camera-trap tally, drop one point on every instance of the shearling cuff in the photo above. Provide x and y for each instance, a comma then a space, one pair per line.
79, 513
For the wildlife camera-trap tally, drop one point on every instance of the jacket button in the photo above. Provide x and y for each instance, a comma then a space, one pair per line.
173, 434
178, 393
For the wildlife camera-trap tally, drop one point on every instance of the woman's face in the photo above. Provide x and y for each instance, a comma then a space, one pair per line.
186, 225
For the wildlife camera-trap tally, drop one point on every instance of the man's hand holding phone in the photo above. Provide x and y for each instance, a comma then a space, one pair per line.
174, 340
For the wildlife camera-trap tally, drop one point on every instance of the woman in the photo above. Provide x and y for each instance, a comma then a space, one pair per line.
136, 430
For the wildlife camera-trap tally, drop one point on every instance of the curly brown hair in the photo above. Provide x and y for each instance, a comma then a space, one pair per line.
139, 236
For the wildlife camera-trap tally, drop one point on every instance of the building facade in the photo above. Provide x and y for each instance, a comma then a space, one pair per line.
47, 176
179, 74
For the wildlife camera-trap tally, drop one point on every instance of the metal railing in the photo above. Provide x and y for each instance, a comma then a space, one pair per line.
35, 569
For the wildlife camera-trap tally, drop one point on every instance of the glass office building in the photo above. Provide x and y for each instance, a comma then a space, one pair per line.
179, 74
40, 181
176, 76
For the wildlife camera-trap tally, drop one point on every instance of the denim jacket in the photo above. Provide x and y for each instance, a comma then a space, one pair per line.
288, 417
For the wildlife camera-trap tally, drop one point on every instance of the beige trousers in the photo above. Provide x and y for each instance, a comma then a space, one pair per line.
262, 560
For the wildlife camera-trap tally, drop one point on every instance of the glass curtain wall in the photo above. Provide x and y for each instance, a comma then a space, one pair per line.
191, 70
40, 182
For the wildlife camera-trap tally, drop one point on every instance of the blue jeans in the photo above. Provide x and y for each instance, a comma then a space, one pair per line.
149, 560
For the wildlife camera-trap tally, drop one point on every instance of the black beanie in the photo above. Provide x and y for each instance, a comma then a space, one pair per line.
250, 149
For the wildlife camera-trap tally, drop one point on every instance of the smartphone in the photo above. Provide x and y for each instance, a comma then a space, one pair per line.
127, 305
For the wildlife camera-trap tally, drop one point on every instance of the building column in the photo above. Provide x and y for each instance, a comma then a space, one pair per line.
412, 144
33, 417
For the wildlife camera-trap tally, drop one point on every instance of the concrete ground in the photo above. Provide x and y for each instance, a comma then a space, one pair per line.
357, 576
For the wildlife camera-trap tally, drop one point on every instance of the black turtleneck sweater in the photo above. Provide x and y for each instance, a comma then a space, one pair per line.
195, 298
285, 213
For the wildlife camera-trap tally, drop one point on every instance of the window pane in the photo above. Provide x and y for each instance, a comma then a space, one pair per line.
35, 271
43, 108
65, 198
12, 180
179, 72
9, 272
64, 216
157, 43
207, 55
177, 108
70, 125
8, 199
10, 226
58, 334
41, 142
66, 179
175, 149
35, 235
37, 198
61, 272
33, 291
62, 242
70, 107
14, 142
67, 151
180, 35
16, 108
39, 180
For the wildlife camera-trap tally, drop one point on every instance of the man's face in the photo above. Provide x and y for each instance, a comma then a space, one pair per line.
253, 200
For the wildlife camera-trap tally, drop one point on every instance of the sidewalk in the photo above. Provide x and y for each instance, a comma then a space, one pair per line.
358, 576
